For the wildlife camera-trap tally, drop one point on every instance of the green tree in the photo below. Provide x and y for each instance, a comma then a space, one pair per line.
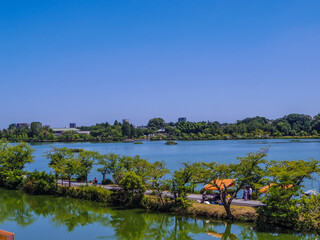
58, 158
15, 157
126, 129
281, 210
133, 189
36, 128
108, 164
248, 171
156, 123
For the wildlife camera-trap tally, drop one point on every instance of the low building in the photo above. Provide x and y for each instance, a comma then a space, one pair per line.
125, 120
22, 125
161, 130
141, 127
182, 119
60, 131
84, 132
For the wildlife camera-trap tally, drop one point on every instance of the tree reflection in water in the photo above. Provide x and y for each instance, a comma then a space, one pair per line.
25, 209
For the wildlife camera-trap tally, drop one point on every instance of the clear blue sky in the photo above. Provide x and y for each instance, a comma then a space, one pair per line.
97, 61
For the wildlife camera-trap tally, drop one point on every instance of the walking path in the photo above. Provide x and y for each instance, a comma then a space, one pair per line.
195, 197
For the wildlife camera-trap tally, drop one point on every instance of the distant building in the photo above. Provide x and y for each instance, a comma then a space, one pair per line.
161, 130
60, 131
141, 127
182, 119
125, 120
84, 132
72, 125
21, 125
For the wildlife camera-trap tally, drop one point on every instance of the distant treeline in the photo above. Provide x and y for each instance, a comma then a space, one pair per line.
293, 125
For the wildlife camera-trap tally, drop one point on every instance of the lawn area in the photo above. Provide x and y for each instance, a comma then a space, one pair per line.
241, 213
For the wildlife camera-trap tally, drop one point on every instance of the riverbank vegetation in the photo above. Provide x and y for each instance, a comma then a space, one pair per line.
290, 126
284, 207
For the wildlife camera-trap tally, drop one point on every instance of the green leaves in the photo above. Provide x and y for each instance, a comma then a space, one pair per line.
15, 157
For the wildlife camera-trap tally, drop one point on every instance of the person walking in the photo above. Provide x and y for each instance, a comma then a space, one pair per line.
250, 193
245, 194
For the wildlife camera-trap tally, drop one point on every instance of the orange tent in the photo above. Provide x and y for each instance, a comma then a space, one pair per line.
265, 189
221, 184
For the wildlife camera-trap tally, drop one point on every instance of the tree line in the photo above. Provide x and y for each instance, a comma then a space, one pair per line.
293, 125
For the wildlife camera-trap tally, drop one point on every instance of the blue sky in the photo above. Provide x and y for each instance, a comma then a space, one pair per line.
97, 61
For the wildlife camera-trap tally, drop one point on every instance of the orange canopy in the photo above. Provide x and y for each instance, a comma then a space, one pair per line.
221, 184
266, 188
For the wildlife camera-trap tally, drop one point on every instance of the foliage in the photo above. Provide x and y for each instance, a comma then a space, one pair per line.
170, 142
70, 163
248, 171
133, 190
292, 125
281, 210
15, 157
90, 193
39, 183
11, 179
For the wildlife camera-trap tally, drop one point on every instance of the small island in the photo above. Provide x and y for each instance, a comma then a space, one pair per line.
137, 143
171, 142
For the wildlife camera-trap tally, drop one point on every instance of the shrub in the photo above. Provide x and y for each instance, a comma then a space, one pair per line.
106, 182
39, 183
90, 193
132, 192
12, 179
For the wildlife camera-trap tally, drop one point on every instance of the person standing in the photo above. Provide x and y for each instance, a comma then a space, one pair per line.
250, 193
204, 196
245, 194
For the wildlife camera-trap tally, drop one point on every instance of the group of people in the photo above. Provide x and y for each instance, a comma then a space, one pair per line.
247, 193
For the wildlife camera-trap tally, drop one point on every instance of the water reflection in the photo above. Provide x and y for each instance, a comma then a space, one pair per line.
71, 214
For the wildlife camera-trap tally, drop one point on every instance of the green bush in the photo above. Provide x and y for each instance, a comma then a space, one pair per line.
309, 214
39, 183
132, 192
106, 182
90, 193
280, 211
11, 179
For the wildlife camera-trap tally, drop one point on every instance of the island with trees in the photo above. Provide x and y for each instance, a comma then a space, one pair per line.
285, 207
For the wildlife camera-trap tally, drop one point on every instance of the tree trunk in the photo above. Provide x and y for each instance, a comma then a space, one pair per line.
69, 181
103, 176
228, 211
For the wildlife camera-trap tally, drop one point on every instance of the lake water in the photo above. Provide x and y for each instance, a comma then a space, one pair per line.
48, 217
192, 151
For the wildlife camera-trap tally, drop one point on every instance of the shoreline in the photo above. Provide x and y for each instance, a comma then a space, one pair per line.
182, 140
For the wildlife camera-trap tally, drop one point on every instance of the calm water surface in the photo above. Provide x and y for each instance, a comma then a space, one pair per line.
192, 151
48, 217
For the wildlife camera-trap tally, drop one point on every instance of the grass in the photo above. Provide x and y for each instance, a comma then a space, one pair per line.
241, 213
